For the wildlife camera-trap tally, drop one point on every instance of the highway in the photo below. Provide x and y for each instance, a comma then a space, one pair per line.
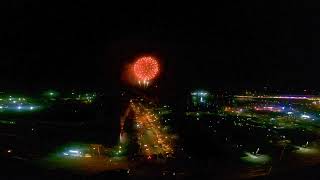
152, 137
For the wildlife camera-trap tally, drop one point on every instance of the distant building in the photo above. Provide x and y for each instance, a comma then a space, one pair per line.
200, 100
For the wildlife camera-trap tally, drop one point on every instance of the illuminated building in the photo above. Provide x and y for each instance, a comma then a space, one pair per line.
201, 100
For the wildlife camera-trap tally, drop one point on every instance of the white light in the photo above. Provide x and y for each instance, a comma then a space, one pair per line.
74, 151
31, 107
305, 116
290, 112
87, 155
19, 107
252, 156
1, 107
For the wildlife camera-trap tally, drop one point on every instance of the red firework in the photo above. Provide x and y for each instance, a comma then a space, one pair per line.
146, 68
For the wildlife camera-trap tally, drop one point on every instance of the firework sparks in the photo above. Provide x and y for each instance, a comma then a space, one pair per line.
146, 69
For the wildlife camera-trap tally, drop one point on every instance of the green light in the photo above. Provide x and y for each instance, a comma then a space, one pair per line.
256, 159
7, 122
307, 150
51, 93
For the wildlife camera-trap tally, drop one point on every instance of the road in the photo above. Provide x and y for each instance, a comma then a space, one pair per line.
152, 137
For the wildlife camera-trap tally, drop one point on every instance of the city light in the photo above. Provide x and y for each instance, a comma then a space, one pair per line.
150, 128
303, 116
18, 104
307, 150
74, 151
256, 159
86, 97
51, 94
311, 98
269, 108
199, 93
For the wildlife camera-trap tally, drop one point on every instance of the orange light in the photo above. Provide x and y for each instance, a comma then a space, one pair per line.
146, 68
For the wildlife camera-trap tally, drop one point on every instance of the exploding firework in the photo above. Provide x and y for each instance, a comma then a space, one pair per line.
146, 68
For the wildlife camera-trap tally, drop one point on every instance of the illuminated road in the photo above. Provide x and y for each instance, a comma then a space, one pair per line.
152, 137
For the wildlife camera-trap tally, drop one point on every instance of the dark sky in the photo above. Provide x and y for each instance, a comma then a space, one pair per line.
224, 44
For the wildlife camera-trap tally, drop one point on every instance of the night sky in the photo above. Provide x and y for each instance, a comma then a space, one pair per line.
219, 45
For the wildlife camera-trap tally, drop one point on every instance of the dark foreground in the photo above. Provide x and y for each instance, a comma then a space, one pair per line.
22, 169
